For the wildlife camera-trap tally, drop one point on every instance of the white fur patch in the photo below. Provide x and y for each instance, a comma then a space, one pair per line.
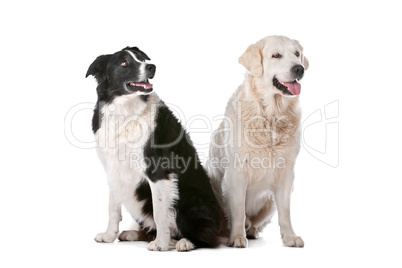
184, 245
164, 195
142, 75
125, 128
133, 55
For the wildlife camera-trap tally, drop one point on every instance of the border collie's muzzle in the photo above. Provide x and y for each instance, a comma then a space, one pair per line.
144, 86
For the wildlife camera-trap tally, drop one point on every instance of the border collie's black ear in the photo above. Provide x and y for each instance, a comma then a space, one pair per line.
98, 68
138, 52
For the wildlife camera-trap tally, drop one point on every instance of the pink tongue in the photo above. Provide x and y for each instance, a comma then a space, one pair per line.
146, 86
293, 87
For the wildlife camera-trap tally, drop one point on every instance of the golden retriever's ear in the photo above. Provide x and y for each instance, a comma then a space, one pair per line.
252, 60
304, 60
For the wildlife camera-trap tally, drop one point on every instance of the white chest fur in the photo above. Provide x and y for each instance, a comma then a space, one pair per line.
125, 128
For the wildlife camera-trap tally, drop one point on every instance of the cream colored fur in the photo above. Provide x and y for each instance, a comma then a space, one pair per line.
253, 152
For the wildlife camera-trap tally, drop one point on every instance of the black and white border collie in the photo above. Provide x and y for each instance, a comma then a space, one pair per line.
151, 165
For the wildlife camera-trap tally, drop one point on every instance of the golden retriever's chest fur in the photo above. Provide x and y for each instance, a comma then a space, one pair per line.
269, 130
269, 134
270, 137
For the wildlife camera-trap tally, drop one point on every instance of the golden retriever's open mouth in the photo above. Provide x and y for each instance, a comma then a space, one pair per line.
287, 88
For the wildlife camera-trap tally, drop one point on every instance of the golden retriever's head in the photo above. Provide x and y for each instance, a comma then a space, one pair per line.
277, 62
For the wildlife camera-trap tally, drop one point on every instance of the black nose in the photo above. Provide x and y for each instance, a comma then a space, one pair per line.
151, 70
298, 70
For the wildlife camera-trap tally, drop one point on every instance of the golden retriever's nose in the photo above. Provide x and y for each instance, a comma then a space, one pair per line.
298, 70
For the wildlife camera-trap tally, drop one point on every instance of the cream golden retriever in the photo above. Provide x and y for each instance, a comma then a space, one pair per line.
253, 152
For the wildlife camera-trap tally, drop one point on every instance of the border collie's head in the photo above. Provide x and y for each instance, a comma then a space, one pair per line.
122, 73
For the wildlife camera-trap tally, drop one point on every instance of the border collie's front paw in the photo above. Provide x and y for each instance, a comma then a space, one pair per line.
156, 246
293, 241
238, 242
105, 237
184, 245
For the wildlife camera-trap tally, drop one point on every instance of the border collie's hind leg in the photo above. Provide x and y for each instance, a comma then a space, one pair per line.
198, 218
133, 235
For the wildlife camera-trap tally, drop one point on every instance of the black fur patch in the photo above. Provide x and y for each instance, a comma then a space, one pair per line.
143, 193
197, 210
144, 97
169, 142
96, 119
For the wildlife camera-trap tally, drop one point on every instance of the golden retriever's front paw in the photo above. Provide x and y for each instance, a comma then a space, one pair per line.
238, 242
293, 241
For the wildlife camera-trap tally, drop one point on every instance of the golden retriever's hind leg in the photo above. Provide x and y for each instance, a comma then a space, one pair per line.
253, 233
257, 223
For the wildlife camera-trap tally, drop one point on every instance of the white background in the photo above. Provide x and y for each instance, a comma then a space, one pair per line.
54, 195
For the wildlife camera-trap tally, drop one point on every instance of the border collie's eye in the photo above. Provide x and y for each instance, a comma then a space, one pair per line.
297, 53
124, 63
277, 56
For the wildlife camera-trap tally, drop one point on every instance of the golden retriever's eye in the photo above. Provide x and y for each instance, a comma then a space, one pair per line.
297, 53
124, 63
277, 56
